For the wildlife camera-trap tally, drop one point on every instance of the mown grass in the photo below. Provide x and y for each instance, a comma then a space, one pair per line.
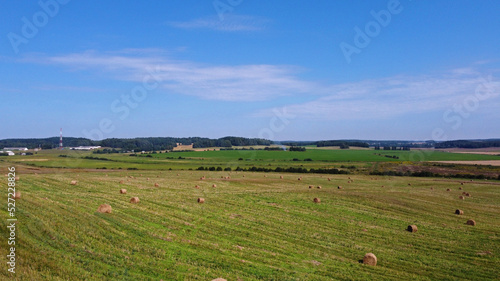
253, 226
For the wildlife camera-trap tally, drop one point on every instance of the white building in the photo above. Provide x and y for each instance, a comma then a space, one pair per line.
10, 153
85, 147
16, 148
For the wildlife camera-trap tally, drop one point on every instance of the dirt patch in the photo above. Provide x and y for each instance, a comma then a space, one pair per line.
481, 162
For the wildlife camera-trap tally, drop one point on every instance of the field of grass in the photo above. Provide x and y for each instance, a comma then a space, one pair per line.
253, 226
319, 158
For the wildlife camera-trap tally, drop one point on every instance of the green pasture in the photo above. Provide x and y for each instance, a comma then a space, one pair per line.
252, 226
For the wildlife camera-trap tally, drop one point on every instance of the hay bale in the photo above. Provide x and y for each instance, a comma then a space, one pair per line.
214, 185
370, 259
123, 191
17, 178
134, 200
461, 183
201, 200
299, 179
448, 189
467, 194
17, 195
339, 187
329, 179
197, 186
281, 177
311, 186
471, 222
409, 184
460, 188
459, 212
463, 193
461, 197
316, 200
122, 182
156, 184
318, 187
104, 208
412, 228
73, 182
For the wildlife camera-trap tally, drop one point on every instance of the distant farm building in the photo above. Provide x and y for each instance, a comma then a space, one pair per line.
180, 146
16, 148
9, 153
85, 147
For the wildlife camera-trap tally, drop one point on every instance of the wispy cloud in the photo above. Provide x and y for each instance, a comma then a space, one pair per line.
215, 82
368, 99
230, 23
389, 97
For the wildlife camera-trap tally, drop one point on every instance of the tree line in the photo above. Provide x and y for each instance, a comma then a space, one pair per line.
135, 144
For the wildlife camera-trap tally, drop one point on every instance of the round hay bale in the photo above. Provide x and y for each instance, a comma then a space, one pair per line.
448, 189
329, 179
409, 184
73, 182
467, 194
463, 193
214, 185
461, 197
134, 200
412, 228
104, 208
459, 212
339, 187
281, 177
370, 259
17, 195
461, 183
299, 179
318, 187
122, 182
197, 186
123, 191
201, 200
316, 200
17, 178
432, 188
460, 188
311, 186
471, 222
156, 184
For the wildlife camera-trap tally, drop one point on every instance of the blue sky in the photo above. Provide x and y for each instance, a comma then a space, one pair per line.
281, 70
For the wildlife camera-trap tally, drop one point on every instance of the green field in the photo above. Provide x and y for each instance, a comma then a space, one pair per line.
320, 158
253, 226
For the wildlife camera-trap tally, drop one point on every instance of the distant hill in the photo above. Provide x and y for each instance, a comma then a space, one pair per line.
469, 144
136, 144
167, 143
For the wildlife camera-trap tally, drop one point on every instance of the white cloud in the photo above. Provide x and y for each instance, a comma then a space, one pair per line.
216, 82
395, 96
230, 23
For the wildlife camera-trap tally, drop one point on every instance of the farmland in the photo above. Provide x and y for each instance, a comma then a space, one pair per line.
252, 226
